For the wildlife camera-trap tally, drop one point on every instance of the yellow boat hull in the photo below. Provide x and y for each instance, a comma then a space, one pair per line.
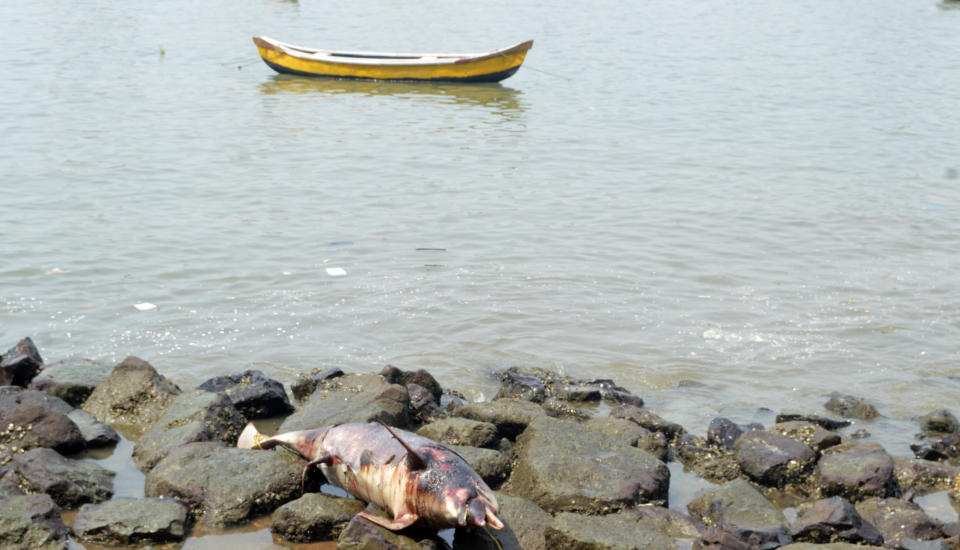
488, 67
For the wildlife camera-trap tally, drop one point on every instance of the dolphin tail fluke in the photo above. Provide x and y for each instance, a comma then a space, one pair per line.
250, 438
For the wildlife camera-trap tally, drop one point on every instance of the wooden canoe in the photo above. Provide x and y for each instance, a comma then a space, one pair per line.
480, 67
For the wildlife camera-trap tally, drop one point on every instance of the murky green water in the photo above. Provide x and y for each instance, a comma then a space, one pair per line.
721, 206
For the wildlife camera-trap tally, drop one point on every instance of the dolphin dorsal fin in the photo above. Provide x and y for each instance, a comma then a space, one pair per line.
414, 460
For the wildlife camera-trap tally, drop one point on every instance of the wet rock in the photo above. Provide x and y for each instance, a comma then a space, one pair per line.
631, 434
827, 423
718, 539
510, 416
134, 394
812, 435
192, 416
940, 421
461, 431
772, 459
226, 486
95, 434
664, 520
518, 386
614, 394
362, 534
31, 522
923, 476
307, 383
612, 532
8, 489
707, 461
947, 447
936, 544
252, 393
72, 380
493, 466
352, 398
69, 482
849, 406
558, 408
20, 364
425, 407
563, 466
420, 377
314, 517
740, 509
723, 433
12, 397
830, 546
579, 392
648, 420
855, 472
131, 522
898, 519
43, 427
833, 519
525, 525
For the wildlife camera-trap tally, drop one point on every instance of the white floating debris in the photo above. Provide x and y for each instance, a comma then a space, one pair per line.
145, 306
56, 271
336, 271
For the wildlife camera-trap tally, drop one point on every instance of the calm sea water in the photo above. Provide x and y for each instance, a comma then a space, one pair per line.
722, 206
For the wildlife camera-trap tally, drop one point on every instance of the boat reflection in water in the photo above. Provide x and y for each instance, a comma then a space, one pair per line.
489, 94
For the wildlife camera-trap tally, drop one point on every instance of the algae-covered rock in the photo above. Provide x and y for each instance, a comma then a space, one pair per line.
95, 433
134, 394
525, 526
833, 519
849, 406
72, 380
564, 466
69, 482
192, 416
491, 465
898, 519
510, 416
42, 427
855, 472
923, 476
812, 435
31, 522
352, 398
362, 534
739, 508
773, 459
226, 486
131, 522
314, 517
612, 532
630, 433
460, 431
648, 419
710, 462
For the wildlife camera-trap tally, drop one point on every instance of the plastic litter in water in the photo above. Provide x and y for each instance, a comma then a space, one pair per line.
145, 306
336, 271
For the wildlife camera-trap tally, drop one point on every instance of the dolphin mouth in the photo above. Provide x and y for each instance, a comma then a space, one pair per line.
480, 512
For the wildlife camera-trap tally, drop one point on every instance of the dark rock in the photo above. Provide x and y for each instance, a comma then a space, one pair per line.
740, 509
563, 466
20, 364
898, 519
131, 522
849, 406
723, 433
830, 546
578, 393
69, 482
314, 517
616, 395
31, 522
362, 534
940, 421
558, 408
772, 459
629, 433
134, 394
226, 486
510, 416
192, 416
923, 476
833, 519
612, 532
718, 539
855, 472
420, 377
307, 383
812, 435
648, 420
9, 489
252, 393
525, 525
518, 386
493, 466
461, 431
948, 446
352, 398
12, 397
664, 520
425, 407
72, 380
96, 434
707, 461
828, 423
928, 453
42, 427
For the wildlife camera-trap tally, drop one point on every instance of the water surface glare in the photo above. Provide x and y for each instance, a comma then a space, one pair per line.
722, 206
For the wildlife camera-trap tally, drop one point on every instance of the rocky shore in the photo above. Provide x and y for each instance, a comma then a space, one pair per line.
577, 464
